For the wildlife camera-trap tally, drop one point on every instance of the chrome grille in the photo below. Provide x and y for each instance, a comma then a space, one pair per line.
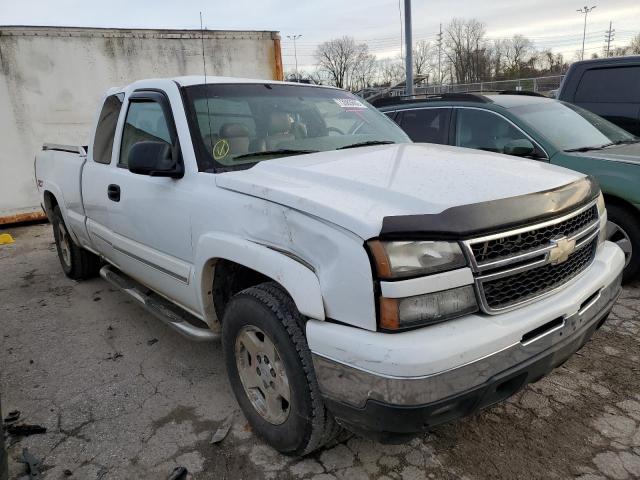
516, 267
532, 239
506, 291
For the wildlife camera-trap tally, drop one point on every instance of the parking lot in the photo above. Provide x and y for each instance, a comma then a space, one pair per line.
122, 396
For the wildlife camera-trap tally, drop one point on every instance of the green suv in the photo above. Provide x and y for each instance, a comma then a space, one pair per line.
529, 125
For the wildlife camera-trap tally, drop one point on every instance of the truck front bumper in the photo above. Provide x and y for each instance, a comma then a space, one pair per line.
388, 406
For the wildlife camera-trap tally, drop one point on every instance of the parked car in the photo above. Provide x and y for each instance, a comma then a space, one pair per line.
536, 127
350, 285
609, 87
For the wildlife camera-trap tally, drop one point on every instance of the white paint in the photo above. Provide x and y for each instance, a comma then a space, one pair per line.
357, 188
431, 283
447, 345
302, 220
52, 79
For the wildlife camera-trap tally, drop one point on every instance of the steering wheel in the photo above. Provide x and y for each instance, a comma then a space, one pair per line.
334, 129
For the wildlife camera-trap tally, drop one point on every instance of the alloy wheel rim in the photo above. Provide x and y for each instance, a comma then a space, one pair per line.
65, 246
616, 234
262, 374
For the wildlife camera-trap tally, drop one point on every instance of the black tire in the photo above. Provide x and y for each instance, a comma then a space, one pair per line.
630, 224
309, 424
77, 263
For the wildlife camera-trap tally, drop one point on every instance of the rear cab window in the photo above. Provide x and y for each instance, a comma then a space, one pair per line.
106, 128
610, 85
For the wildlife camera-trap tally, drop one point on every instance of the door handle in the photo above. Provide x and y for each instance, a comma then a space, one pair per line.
113, 192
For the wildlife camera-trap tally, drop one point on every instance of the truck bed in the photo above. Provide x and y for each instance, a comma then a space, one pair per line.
58, 169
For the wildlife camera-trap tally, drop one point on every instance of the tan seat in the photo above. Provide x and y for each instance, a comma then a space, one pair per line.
279, 130
238, 137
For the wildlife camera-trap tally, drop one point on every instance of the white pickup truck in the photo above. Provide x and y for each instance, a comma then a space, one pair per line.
355, 279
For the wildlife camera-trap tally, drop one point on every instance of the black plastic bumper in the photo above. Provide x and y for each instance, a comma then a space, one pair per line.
390, 423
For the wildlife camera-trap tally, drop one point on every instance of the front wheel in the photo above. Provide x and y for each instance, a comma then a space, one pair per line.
623, 228
271, 373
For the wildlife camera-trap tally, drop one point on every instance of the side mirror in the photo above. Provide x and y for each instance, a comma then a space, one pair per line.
156, 159
519, 148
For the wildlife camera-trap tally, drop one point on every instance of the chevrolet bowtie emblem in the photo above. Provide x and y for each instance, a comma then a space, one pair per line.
562, 248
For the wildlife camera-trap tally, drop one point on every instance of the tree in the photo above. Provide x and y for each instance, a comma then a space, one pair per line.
364, 69
634, 47
423, 58
465, 49
518, 51
391, 71
339, 58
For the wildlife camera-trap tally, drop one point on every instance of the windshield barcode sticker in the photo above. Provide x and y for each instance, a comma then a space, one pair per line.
349, 103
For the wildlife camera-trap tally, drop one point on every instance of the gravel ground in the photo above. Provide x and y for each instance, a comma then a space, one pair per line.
124, 397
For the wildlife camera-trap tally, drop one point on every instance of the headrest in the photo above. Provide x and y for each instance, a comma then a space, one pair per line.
232, 130
279, 123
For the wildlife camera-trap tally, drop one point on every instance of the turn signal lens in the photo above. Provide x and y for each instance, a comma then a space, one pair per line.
421, 310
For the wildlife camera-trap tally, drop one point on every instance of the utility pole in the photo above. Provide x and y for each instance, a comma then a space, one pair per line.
585, 11
409, 48
440, 55
295, 52
608, 36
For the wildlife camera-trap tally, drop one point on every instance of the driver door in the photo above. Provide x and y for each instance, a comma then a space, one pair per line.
150, 216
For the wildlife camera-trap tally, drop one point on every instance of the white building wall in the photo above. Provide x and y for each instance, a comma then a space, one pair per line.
52, 80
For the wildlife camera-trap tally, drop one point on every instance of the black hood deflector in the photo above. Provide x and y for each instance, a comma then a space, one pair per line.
467, 221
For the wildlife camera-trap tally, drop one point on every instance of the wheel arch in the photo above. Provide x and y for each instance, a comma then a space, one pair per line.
622, 203
226, 265
50, 202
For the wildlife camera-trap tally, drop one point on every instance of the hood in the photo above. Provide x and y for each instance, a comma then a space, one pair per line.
621, 153
357, 188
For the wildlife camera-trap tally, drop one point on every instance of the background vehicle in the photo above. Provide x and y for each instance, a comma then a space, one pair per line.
350, 285
609, 87
533, 126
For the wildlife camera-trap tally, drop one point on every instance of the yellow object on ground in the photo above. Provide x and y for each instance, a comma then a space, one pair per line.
5, 238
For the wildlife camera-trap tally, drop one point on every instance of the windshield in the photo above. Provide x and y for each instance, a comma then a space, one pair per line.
234, 126
570, 127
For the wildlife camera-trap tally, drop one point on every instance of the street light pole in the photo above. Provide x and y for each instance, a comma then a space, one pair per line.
295, 52
585, 10
409, 48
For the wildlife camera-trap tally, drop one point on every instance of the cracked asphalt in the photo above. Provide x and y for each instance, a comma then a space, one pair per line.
124, 397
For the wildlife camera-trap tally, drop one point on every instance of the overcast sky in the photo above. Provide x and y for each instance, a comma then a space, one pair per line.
549, 23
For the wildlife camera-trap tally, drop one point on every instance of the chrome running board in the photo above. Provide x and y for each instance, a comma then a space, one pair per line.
172, 315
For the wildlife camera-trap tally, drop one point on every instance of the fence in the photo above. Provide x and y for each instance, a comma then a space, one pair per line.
537, 84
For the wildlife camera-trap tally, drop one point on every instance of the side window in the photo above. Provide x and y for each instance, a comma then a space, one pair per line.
484, 130
106, 128
145, 122
429, 125
610, 85
391, 115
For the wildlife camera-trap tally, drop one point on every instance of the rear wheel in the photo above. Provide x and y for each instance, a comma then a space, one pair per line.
76, 262
271, 373
623, 228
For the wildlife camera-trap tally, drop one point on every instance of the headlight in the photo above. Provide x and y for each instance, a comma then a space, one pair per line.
602, 214
600, 204
421, 310
412, 258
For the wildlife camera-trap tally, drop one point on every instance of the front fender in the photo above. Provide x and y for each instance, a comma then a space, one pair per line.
297, 279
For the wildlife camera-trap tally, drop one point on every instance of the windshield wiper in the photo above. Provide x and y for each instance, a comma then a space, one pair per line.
586, 149
600, 147
366, 144
282, 151
624, 142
